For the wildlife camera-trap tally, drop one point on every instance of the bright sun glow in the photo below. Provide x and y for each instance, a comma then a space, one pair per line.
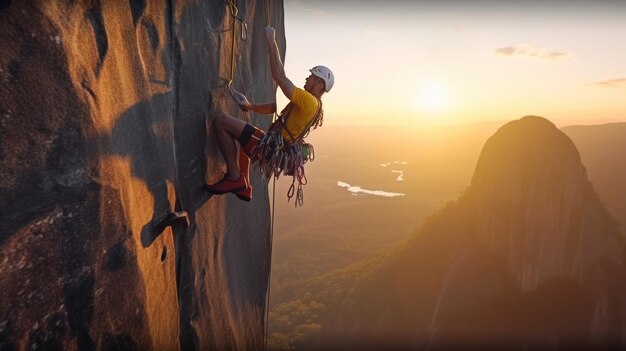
433, 97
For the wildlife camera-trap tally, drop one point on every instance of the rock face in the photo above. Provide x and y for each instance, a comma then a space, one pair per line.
102, 133
530, 200
526, 257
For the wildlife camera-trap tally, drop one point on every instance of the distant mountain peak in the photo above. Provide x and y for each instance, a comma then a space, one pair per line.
531, 150
530, 201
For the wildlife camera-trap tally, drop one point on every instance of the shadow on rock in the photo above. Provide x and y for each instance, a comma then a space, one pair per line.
144, 134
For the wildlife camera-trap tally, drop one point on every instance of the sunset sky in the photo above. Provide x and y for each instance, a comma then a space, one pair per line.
416, 63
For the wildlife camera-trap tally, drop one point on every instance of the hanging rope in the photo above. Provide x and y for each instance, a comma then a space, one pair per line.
234, 11
268, 17
269, 278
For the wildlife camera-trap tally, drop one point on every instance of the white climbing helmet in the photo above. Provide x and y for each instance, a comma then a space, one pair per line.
326, 74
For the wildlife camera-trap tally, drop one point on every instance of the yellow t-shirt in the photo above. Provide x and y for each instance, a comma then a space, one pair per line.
303, 111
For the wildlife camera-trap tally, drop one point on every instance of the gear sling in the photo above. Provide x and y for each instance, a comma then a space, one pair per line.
275, 155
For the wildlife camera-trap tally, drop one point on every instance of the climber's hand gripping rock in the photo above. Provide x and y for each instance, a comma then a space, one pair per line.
240, 99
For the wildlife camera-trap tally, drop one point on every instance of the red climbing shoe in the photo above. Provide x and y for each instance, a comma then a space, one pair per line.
227, 185
245, 195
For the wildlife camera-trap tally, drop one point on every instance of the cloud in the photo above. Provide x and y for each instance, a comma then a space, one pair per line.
319, 13
611, 83
310, 8
531, 51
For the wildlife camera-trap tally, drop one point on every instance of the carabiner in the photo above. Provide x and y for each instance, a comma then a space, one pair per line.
244, 29
291, 190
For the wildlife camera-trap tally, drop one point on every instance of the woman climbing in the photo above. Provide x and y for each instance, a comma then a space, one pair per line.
274, 147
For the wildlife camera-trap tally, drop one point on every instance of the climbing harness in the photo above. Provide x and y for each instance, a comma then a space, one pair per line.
276, 155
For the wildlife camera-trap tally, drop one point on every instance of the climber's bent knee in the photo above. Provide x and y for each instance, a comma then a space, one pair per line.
228, 123
220, 118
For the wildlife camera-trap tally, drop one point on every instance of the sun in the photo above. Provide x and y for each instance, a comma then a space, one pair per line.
433, 97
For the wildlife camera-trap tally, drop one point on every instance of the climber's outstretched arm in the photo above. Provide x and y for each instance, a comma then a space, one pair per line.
266, 108
278, 71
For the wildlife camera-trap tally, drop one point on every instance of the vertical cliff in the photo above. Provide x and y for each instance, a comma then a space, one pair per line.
102, 122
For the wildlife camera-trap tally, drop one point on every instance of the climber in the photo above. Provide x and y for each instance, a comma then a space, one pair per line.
304, 107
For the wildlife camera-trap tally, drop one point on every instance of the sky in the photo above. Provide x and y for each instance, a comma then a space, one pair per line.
422, 63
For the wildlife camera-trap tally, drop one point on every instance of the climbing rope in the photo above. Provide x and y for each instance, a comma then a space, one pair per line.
269, 278
272, 160
268, 17
234, 11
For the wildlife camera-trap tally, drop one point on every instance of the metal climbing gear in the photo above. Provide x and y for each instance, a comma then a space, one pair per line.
276, 155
